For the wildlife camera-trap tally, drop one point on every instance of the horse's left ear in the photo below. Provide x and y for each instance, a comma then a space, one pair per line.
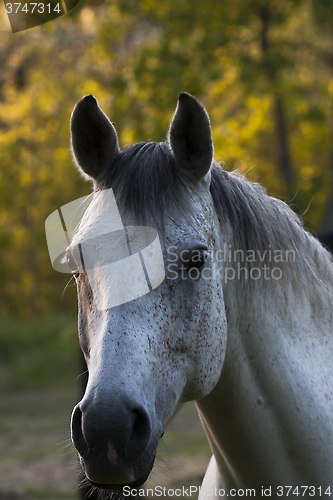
93, 137
190, 136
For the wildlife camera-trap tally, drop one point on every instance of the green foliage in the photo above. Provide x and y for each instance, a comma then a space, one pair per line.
38, 353
239, 57
323, 12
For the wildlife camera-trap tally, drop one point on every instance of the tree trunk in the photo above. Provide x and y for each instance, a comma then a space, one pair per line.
326, 232
283, 143
284, 161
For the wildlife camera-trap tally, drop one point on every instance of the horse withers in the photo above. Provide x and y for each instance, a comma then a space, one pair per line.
240, 322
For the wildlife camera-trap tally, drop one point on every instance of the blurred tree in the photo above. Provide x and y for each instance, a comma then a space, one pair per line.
262, 68
254, 65
323, 18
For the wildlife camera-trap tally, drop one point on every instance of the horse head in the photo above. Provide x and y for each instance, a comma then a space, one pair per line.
146, 355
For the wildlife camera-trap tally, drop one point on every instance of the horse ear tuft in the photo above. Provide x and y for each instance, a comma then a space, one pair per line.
190, 136
93, 137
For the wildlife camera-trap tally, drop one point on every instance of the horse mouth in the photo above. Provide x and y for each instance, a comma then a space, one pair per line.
119, 487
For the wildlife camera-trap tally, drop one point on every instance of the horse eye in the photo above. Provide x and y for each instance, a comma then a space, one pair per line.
198, 261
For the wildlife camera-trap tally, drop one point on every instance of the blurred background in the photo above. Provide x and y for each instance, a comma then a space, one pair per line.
264, 71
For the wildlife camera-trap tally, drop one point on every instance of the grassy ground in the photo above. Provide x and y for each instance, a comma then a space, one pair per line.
39, 386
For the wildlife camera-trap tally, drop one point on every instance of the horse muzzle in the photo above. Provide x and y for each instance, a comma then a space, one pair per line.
115, 441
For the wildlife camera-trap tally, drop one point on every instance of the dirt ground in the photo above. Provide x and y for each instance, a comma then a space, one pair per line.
38, 461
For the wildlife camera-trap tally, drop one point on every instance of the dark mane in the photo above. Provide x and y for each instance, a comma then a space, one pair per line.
146, 180
260, 222
257, 220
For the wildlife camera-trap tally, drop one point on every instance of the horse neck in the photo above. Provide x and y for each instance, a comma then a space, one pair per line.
276, 368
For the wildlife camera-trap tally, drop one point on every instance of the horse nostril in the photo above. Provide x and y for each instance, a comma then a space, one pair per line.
95, 432
141, 432
77, 433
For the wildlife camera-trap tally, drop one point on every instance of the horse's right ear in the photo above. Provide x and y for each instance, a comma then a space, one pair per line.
190, 136
93, 137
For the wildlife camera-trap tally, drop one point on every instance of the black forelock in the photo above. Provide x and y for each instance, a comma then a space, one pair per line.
146, 181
